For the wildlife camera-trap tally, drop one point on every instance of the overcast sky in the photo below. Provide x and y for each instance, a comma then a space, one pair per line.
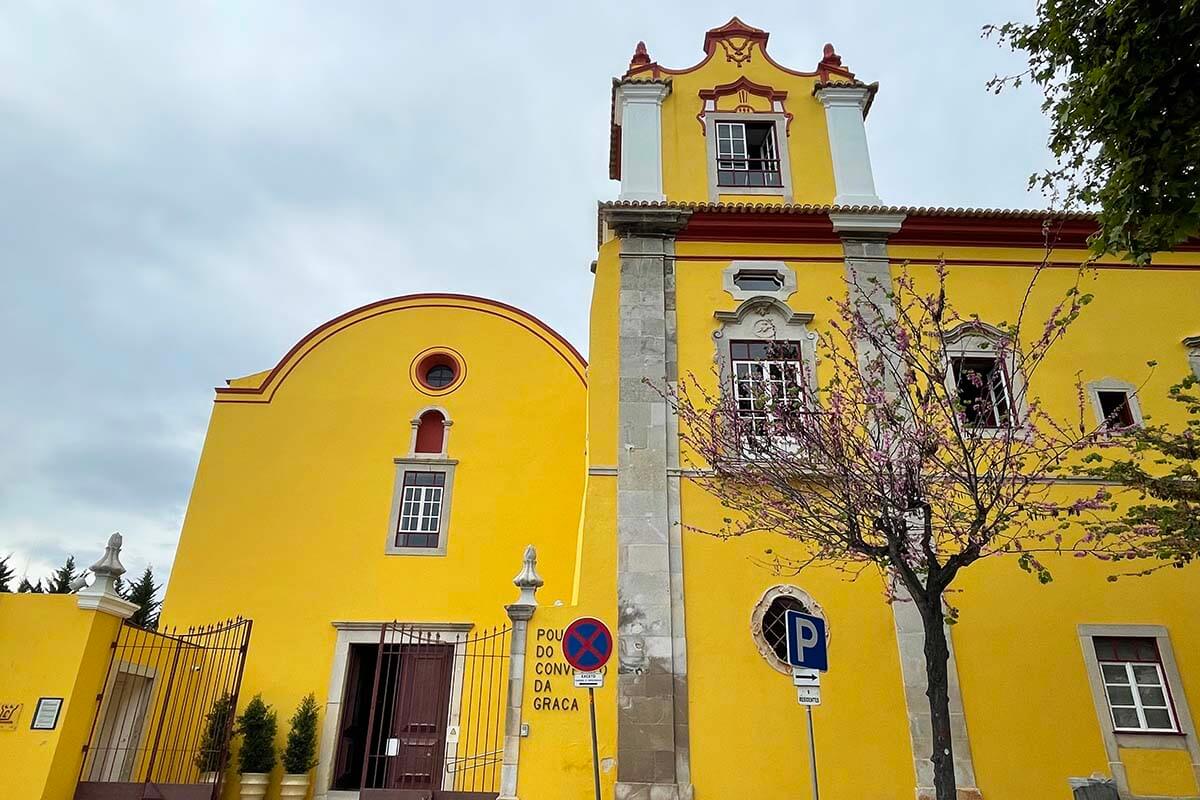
186, 189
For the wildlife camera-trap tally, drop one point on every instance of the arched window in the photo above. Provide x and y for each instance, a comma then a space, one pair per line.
431, 432
774, 624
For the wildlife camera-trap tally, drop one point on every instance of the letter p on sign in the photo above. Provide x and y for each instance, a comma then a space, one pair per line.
806, 641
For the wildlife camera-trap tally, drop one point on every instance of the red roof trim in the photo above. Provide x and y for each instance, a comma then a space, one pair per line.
536, 327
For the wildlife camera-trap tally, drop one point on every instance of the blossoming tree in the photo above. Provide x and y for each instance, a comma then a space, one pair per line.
901, 451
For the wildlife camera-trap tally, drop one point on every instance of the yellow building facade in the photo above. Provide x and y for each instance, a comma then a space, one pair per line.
367, 501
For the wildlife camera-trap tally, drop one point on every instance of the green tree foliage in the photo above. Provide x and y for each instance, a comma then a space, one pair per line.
1161, 475
6, 573
300, 755
216, 722
60, 581
31, 588
143, 593
257, 728
1121, 80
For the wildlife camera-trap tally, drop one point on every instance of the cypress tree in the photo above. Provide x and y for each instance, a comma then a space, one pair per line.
300, 755
208, 754
6, 573
60, 581
25, 587
257, 727
142, 593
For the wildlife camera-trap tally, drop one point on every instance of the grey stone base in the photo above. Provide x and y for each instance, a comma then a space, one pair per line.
964, 793
653, 791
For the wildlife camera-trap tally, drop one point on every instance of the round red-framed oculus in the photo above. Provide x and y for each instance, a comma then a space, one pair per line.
438, 370
587, 644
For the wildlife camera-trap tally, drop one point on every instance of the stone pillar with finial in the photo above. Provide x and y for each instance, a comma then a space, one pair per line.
528, 582
102, 594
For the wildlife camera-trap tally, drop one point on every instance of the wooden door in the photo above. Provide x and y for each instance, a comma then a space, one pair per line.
422, 706
121, 728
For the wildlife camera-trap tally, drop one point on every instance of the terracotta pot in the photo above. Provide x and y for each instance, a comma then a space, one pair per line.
254, 785
294, 785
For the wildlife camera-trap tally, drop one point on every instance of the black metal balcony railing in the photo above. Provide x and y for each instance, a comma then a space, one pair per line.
750, 172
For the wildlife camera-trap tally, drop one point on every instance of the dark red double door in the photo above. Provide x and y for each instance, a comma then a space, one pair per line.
395, 747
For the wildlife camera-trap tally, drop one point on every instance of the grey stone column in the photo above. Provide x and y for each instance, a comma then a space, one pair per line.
520, 612
868, 269
652, 733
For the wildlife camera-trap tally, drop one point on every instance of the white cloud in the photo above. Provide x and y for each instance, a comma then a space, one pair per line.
187, 189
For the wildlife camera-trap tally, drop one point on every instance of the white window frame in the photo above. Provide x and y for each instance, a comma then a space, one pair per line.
725, 130
1134, 686
420, 506
980, 340
400, 491
763, 378
998, 370
712, 118
1114, 385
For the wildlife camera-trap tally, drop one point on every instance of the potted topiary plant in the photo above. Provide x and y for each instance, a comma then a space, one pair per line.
300, 755
216, 726
256, 759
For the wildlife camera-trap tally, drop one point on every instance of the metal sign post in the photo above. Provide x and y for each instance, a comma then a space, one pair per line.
587, 646
595, 748
812, 754
809, 657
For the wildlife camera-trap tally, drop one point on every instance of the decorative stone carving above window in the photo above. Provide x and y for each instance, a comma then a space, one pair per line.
746, 279
766, 624
764, 318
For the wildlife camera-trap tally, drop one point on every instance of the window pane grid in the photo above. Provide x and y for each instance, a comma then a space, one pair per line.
420, 509
1137, 696
759, 384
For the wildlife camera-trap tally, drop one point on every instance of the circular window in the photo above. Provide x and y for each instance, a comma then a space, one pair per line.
768, 623
439, 375
438, 370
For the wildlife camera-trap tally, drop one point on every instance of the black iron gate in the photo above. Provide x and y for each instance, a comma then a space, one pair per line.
165, 713
436, 726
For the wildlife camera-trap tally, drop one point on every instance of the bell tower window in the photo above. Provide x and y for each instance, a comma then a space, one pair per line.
747, 154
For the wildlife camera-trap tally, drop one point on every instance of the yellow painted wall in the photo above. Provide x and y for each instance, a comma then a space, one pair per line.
289, 513
1160, 773
51, 648
1018, 650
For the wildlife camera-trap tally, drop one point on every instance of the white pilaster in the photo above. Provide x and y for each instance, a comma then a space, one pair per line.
639, 113
844, 106
520, 612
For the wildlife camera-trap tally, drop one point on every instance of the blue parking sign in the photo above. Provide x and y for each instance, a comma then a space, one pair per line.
806, 641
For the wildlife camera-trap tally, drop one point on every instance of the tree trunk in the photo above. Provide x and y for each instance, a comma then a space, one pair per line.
937, 660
